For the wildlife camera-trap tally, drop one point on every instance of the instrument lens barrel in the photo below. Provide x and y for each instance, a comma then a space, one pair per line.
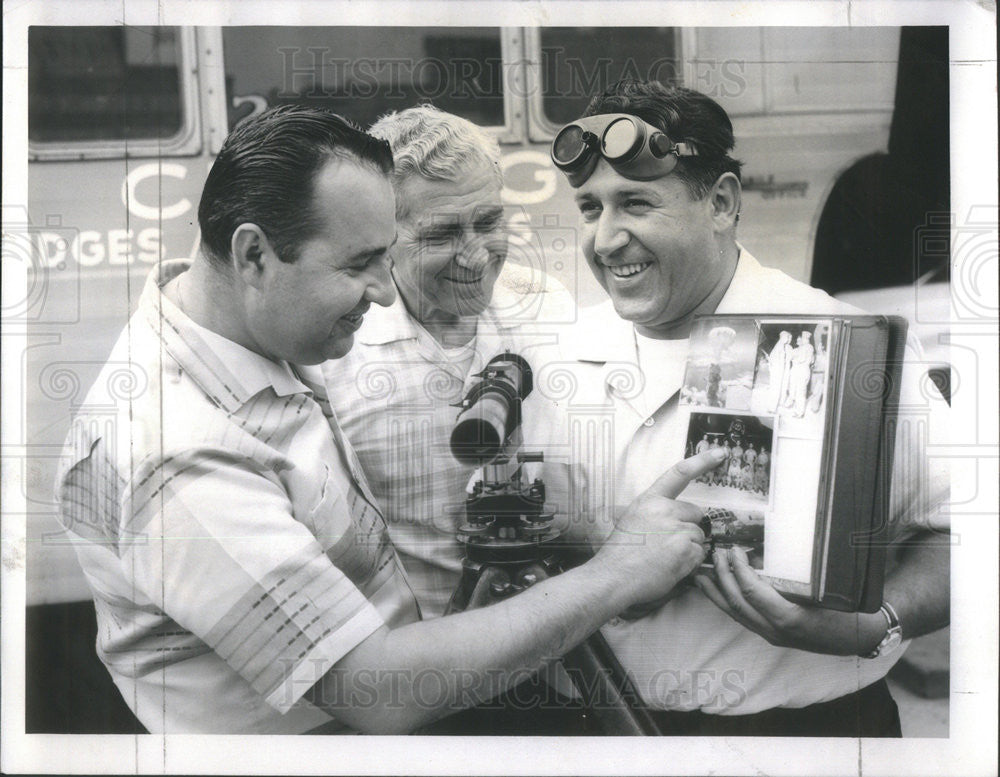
479, 434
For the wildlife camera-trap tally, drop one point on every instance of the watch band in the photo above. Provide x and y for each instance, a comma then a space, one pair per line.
893, 633
890, 613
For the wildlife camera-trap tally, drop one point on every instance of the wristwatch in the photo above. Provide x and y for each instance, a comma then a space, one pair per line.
893, 635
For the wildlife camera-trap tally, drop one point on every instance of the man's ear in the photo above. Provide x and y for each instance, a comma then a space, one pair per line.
726, 199
252, 252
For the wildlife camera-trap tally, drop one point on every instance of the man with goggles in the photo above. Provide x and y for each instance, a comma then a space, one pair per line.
659, 199
634, 148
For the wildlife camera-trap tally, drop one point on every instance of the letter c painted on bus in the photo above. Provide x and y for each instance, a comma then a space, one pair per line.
152, 170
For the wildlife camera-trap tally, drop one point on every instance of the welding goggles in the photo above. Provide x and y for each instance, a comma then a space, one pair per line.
635, 149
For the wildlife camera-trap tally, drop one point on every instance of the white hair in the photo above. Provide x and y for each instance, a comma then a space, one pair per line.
436, 145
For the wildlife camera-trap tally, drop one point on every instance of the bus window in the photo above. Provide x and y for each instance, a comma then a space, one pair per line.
364, 72
578, 62
115, 83
858, 76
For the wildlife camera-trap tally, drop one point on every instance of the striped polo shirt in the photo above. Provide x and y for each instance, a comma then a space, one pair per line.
234, 549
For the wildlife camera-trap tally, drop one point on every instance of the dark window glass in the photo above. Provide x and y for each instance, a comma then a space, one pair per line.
103, 83
364, 72
579, 62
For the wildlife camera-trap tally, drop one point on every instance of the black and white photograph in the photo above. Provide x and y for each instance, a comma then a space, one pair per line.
792, 361
720, 367
741, 529
744, 476
350, 351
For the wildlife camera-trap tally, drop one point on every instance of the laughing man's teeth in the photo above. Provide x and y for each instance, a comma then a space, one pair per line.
353, 317
628, 270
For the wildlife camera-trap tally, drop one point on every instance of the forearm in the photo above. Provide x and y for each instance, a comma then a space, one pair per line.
918, 574
476, 654
918, 587
412, 675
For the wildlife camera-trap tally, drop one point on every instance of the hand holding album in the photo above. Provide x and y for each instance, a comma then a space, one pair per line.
739, 591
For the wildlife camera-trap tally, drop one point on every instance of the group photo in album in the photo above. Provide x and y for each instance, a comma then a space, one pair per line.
805, 466
743, 479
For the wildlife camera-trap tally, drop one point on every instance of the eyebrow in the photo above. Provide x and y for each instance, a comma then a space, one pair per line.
439, 225
640, 191
487, 214
451, 221
372, 253
620, 193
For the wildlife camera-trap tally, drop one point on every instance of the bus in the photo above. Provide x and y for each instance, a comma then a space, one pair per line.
125, 121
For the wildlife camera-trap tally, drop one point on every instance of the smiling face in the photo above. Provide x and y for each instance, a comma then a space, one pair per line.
452, 244
654, 249
307, 311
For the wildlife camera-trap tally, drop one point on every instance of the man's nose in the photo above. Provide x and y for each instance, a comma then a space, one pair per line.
475, 251
609, 236
381, 290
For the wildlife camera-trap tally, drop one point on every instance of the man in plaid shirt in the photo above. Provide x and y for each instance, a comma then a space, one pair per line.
459, 305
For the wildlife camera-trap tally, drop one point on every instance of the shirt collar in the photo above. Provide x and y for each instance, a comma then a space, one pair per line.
226, 371
748, 290
394, 323
602, 334
517, 296
387, 325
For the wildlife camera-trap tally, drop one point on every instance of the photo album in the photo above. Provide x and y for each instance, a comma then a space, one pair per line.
804, 408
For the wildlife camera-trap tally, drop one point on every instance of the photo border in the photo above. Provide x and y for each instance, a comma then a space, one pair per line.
975, 590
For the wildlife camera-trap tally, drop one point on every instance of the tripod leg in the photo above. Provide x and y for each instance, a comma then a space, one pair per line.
607, 690
592, 666
482, 592
602, 682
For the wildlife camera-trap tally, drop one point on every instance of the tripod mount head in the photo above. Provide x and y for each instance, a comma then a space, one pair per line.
505, 515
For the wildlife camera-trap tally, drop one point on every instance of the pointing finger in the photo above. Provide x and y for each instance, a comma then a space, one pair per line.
675, 479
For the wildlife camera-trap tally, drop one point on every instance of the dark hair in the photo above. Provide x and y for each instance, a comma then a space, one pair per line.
265, 174
685, 115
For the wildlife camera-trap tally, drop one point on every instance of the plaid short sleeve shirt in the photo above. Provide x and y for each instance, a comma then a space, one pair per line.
233, 547
396, 394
